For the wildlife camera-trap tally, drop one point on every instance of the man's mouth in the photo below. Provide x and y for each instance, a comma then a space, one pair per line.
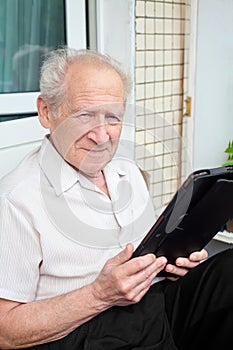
96, 151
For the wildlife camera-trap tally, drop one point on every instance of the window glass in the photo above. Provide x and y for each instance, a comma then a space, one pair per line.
28, 30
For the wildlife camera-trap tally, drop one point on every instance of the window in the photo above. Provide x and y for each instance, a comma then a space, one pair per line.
28, 30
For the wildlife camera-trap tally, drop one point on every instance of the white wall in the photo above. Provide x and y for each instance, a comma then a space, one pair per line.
116, 37
116, 30
213, 102
17, 138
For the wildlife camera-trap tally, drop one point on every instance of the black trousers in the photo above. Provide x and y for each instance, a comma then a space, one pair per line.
195, 312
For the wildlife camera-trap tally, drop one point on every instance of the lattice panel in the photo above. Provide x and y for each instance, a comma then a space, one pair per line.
162, 35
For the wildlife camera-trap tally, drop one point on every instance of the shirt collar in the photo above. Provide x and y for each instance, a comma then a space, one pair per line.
62, 176
58, 172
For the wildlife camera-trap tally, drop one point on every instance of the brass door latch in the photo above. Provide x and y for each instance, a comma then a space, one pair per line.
188, 106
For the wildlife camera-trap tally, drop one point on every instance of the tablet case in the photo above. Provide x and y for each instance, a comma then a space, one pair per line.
197, 212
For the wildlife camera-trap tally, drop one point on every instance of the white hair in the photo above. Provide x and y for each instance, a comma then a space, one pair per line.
54, 68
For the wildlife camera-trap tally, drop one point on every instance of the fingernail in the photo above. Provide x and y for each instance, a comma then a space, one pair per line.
169, 268
163, 261
180, 262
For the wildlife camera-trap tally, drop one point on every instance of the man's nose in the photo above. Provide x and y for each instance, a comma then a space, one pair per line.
99, 134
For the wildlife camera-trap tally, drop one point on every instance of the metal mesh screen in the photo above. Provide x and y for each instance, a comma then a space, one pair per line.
162, 34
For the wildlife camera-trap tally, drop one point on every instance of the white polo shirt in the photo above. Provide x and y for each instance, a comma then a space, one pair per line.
57, 229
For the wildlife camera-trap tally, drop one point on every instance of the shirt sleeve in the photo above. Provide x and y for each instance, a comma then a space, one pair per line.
20, 254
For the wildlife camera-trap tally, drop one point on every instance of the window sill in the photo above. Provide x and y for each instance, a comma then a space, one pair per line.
224, 236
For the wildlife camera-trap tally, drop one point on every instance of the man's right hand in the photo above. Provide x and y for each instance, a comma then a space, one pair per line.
125, 281
122, 281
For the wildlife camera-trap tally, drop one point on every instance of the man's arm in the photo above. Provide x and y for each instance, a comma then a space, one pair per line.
121, 282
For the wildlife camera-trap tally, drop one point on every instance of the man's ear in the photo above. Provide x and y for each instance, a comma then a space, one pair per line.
44, 112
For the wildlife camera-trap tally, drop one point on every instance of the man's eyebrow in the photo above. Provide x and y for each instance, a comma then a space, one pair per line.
96, 109
77, 110
108, 108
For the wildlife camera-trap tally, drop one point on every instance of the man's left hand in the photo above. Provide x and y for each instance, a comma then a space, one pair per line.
183, 265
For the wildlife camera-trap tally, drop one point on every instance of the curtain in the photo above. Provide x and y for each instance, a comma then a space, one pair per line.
28, 30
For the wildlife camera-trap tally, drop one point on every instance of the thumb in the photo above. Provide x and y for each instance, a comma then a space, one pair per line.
124, 255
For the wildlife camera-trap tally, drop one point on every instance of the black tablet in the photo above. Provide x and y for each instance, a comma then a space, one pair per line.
197, 212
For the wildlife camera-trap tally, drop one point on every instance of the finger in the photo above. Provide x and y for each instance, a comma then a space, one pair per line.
139, 264
124, 255
143, 286
151, 270
195, 257
198, 256
144, 277
186, 263
178, 271
140, 289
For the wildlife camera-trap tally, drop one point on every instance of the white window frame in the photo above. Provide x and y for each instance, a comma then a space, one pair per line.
24, 103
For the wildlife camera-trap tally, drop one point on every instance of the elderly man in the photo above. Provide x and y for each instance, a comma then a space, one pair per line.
70, 216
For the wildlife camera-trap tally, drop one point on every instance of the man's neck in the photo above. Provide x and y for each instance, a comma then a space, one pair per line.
99, 181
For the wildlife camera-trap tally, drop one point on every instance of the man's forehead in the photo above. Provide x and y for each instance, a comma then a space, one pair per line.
93, 81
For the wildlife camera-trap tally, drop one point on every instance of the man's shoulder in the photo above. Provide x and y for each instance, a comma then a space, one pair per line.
25, 175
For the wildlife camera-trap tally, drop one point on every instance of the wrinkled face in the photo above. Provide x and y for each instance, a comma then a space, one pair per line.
88, 132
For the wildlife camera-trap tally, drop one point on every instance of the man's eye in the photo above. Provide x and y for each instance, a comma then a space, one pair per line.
112, 119
84, 118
